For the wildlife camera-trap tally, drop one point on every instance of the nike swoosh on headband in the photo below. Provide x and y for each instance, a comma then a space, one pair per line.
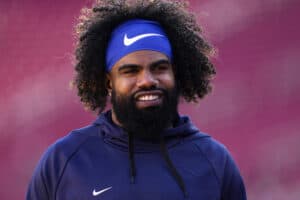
96, 193
129, 41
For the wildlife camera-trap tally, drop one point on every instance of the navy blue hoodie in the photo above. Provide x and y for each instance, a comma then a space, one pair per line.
93, 163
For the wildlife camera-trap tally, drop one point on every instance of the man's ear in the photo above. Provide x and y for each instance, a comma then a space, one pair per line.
108, 84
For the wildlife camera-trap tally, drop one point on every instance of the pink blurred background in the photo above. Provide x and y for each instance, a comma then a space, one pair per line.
254, 108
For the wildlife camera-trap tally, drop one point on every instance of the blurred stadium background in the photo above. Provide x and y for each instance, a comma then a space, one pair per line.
254, 108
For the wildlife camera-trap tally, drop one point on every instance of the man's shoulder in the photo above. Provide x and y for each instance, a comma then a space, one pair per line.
208, 145
64, 148
215, 152
53, 163
73, 140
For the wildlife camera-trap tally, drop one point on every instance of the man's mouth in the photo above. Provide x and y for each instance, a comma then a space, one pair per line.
148, 98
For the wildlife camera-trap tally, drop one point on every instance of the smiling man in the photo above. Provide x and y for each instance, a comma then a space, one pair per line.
143, 56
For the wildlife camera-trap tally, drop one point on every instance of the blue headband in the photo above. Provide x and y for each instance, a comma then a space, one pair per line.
135, 35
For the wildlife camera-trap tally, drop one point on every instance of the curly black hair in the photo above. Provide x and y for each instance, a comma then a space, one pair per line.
191, 52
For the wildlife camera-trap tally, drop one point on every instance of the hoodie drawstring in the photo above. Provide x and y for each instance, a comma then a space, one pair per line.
171, 167
131, 158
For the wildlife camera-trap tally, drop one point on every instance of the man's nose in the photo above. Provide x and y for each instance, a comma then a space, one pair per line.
147, 80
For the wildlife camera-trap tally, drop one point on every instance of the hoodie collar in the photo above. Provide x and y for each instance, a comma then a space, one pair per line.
117, 137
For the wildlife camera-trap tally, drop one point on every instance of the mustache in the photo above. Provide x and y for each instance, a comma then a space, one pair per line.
152, 89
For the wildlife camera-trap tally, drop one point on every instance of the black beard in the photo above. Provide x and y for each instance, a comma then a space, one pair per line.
145, 123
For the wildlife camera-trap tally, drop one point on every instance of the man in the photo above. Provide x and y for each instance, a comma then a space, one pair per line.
144, 55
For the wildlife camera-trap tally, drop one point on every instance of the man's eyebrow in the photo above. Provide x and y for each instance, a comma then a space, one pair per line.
155, 63
159, 62
126, 66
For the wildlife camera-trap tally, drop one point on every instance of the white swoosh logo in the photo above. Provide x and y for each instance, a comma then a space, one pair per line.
96, 193
130, 41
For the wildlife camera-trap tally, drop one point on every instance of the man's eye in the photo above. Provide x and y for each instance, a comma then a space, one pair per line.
129, 71
162, 67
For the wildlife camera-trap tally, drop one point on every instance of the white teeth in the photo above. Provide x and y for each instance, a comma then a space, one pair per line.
148, 97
